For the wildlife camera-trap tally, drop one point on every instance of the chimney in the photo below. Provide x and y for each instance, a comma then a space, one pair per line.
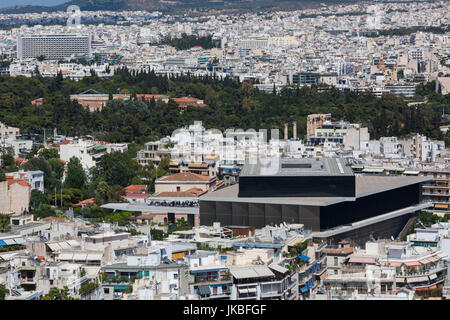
285, 131
294, 129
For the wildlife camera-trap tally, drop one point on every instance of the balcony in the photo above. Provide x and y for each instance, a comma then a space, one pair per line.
427, 272
320, 270
28, 281
320, 258
321, 246
268, 294
249, 293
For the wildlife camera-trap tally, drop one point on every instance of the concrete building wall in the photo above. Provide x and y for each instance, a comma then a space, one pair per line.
172, 186
4, 197
68, 151
14, 198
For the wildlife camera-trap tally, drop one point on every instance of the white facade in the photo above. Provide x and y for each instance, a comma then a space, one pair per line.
53, 46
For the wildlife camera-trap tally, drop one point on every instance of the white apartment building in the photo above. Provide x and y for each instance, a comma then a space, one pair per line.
8, 131
55, 46
34, 178
88, 152
344, 133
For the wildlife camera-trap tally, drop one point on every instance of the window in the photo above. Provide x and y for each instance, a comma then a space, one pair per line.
106, 290
336, 261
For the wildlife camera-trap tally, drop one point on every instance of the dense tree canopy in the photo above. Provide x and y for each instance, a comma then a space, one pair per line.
230, 104
76, 176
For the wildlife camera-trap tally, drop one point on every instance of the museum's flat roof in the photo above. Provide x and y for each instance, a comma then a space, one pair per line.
298, 167
365, 186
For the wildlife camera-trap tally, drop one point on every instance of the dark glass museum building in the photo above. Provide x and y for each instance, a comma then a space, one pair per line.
322, 193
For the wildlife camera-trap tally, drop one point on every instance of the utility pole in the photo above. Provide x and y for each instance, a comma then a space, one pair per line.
61, 194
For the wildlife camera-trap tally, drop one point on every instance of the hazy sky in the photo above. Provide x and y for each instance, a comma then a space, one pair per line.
9, 3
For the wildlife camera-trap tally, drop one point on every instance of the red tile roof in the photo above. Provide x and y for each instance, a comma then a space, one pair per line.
136, 188
137, 195
185, 100
87, 201
185, 177
192, 192
20, 182
143, 95
64, 142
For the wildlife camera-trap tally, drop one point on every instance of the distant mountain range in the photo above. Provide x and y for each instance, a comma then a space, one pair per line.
177, 6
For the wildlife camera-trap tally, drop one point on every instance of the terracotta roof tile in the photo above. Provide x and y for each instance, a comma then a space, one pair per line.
20, 182
185, 177
136, 188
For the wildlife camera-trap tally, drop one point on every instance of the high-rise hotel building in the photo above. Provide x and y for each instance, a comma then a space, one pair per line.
55, 46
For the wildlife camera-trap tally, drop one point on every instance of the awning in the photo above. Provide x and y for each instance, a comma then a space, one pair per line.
432, 276
433, 259
426, 288
54, 246
80, 256
65, 256
362, 260
64, 245
278, 268
73, 243
2, 243
425, 261
9, 241
412, 264
416, 279
300, 256
295, 242
251, 290
19, 240
442, 255
243, 290
377, 170
323, 275
94, 256
204, 290
395, 264
411, 172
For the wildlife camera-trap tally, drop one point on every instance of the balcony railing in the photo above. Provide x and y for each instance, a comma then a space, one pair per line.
321, 270
271, 293
425, 272
321, 246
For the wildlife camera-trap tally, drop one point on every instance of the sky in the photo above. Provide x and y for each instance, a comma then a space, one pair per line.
9, 3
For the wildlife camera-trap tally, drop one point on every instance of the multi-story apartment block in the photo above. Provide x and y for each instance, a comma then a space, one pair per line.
53, 46
314, 121
34, 178
8, 131
437, 191
340, 133
260, 282
14, 196
153, 152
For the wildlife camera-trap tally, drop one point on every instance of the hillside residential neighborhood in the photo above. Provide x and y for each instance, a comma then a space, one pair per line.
231, 154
